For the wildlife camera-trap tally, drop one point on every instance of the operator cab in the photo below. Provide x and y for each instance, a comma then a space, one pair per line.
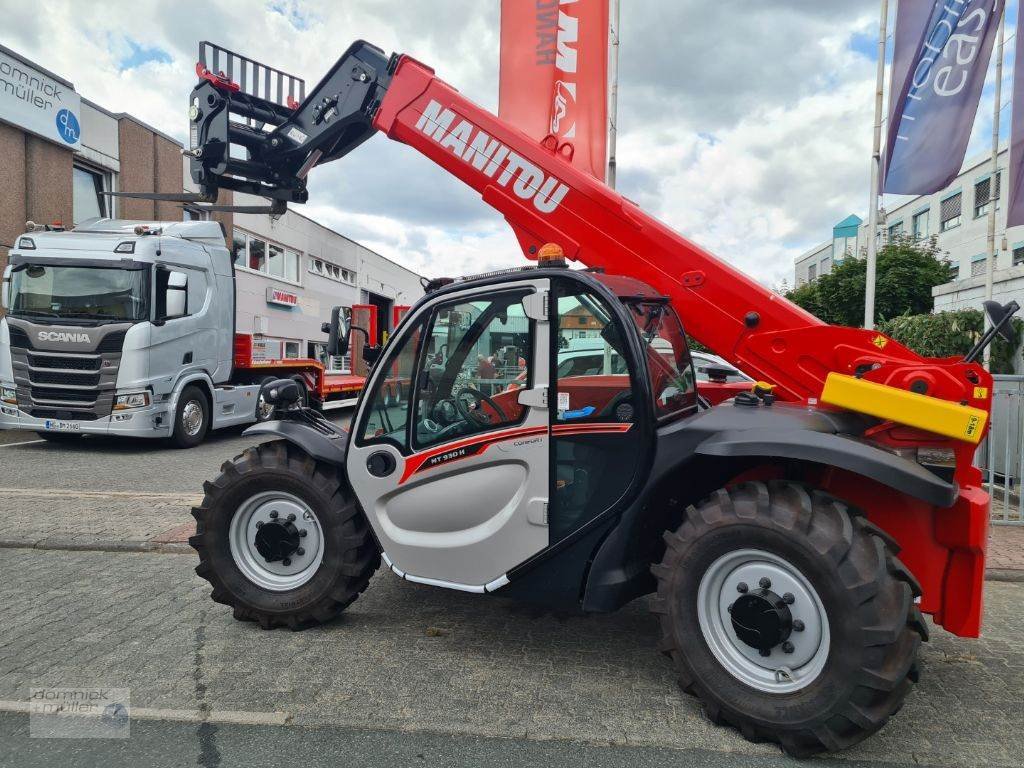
526, 399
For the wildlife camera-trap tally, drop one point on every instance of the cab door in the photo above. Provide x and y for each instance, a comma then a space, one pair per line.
449, 457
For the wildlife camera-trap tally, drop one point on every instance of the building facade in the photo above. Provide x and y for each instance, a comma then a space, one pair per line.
957, 218
60, 152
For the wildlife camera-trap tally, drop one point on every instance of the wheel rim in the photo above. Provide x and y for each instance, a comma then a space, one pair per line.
278, 575
264, 410
793, 662
192, 418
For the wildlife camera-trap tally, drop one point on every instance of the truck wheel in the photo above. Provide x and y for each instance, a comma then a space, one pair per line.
191, 418
788, 615
281, 540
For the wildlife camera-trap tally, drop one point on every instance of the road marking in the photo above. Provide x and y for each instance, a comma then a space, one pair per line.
220, 717
24, 442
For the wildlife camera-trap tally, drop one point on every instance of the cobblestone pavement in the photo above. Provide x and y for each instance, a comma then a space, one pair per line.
1006, 547
417, 659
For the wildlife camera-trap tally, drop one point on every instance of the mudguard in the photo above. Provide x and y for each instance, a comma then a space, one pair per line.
840, 451
330, 448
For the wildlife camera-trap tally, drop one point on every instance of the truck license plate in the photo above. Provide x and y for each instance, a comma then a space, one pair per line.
62, 426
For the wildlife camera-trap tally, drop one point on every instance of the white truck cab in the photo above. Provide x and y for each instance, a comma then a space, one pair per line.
121, 327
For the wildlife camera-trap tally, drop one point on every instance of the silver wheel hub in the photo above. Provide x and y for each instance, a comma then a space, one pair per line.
276, 541
264, 410
774, 602
192, 418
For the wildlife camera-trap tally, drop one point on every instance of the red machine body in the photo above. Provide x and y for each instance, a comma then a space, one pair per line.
546, 200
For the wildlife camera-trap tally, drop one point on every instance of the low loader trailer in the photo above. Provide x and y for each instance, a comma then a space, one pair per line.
792, 538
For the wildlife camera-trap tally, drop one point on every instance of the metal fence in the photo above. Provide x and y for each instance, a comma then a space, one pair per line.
1001, 455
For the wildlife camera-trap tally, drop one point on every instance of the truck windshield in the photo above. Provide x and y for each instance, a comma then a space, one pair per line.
99, 294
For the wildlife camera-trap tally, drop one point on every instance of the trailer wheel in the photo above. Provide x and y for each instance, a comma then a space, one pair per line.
191, 418
281, 540
788, 615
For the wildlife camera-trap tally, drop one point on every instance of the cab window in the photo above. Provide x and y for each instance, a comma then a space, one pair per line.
387, 416
478, 357
673, 382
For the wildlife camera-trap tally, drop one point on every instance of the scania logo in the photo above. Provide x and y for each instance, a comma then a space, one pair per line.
77, 337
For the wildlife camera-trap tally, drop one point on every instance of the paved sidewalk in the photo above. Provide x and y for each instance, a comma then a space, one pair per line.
412, 658
1006, 548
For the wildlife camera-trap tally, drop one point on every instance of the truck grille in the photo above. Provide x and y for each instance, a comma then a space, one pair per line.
75, 384
60, 378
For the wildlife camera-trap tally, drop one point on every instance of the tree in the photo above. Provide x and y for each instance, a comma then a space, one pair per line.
907, 270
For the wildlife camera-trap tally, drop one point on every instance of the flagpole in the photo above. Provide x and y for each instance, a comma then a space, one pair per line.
993, 199
876, 172
613, 98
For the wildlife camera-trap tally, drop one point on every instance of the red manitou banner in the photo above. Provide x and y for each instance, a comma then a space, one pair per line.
554, 75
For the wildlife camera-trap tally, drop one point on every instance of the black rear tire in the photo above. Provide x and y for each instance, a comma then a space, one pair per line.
350, 554
874, 626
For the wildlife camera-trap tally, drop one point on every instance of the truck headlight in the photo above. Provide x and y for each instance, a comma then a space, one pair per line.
131, 400
8, 395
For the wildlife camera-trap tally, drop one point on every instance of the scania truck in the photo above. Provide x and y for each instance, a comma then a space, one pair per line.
128, 328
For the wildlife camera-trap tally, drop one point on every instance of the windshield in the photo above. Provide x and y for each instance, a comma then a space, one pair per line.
100, 294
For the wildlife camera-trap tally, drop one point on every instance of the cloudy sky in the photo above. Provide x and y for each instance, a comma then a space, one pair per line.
744, 124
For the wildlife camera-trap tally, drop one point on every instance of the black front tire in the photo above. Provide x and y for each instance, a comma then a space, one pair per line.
868, 595
350, 555
185, 435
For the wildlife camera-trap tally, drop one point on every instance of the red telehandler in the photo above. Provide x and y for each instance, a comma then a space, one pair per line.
767, 527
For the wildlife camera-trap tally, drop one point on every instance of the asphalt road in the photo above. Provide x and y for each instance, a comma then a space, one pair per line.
410, 675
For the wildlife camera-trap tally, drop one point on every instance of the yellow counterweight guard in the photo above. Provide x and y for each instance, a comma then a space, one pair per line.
961, 422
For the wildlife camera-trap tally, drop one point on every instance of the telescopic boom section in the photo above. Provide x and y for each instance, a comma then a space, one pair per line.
546, 200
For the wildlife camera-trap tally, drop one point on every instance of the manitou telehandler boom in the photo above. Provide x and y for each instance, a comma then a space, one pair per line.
488, 455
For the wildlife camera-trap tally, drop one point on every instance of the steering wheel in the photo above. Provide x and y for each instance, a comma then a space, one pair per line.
473, 414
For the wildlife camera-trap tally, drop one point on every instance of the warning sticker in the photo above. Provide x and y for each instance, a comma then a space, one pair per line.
563, 401
296, 135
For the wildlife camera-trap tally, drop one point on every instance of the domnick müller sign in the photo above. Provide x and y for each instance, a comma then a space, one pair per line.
39, 102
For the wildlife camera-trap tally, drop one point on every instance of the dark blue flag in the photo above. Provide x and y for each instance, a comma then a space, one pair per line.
1015, 211
941, 53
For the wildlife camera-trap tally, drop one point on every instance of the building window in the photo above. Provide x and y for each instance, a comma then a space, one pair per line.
812, 273
258, 255
238, 247
895, 230
919, 225
87, 198
332, 271
982, 191
978, 266
826, 265
949, 212
1018, 255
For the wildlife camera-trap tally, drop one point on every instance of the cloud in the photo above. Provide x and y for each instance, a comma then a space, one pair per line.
746, 126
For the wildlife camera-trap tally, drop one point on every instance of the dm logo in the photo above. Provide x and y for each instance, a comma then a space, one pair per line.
67, 126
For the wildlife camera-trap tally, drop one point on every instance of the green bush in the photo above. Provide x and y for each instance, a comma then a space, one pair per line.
907, 270
948, 334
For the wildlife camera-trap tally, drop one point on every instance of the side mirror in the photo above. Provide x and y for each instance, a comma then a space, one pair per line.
999, 314
338, 334
5, 289
720, 374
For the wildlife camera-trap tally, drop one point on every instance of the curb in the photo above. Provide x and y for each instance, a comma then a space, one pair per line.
167, 548
1004, 574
